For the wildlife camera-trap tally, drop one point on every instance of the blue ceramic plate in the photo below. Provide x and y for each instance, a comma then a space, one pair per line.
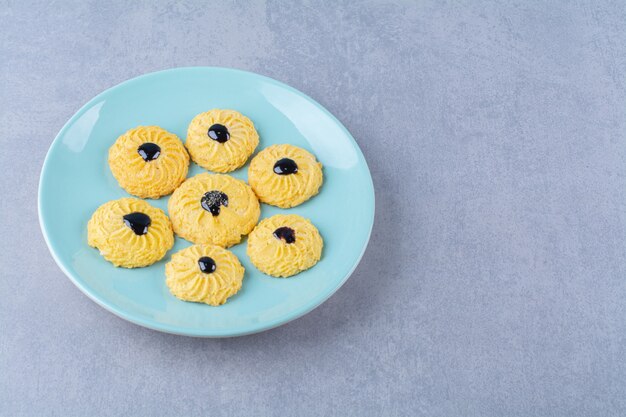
76, 179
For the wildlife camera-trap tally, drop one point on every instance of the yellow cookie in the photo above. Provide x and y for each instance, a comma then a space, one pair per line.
284, 245
204, 274
130, 232
213, 208
285, 175
148, 161
221, 140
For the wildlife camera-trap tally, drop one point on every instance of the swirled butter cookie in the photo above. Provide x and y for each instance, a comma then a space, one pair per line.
148, 161
130, 232
213, 208
204, 274
221, 140
285, 175
284, 245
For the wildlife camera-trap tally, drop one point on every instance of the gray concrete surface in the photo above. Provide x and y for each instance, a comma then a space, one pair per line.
495, 280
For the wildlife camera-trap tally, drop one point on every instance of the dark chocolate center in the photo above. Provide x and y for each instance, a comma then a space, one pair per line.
212, 200
219, 133
207, 265
149, 151
285, 166
138, 222
285, 233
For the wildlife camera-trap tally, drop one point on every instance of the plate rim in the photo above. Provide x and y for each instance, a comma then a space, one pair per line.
177, 330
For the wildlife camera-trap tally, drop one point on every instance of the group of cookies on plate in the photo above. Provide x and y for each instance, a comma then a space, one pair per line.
213, 211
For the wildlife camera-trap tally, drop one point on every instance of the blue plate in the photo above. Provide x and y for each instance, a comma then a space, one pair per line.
76, 179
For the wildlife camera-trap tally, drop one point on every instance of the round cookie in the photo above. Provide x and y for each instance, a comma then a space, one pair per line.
213, 208
285, 175
221, 140
204, 274
148, 161
130, 232
284, 245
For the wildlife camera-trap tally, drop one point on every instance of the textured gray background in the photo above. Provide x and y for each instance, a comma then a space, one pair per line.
495, 280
